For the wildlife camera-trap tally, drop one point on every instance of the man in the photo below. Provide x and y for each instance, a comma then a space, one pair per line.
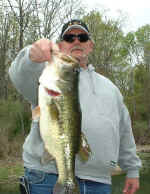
105, 119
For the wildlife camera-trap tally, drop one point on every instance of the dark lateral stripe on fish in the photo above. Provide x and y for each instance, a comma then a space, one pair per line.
52, 92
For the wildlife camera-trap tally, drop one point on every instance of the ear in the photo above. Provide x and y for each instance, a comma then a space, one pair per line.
91, 46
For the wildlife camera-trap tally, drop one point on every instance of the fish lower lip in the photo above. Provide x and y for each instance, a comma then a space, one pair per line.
52, 92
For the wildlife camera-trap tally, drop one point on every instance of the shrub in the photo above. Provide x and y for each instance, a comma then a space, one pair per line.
15, 118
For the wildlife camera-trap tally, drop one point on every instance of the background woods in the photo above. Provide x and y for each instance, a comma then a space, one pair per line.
124, 58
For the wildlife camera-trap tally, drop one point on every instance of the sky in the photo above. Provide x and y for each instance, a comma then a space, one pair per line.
137, 12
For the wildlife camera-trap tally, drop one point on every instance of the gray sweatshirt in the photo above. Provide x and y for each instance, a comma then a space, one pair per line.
105, 122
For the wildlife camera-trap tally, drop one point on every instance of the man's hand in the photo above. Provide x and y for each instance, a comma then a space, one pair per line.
131, 185
41, 50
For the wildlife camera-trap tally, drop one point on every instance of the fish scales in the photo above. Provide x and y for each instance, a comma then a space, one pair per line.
69, 123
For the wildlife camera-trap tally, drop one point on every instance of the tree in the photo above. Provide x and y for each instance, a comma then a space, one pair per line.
21, 10
143, 41
25, 21
42, 18
55, 13
4, 44
109, 55
141, 97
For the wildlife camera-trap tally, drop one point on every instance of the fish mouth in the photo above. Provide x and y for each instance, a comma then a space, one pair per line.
52, 92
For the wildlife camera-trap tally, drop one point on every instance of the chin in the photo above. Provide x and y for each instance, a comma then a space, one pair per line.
77, 55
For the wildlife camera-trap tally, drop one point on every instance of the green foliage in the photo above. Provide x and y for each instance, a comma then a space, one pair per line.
142, 90
143, 34
106, 35
118, 183
139, 103
124, 58
140, 131
15, 117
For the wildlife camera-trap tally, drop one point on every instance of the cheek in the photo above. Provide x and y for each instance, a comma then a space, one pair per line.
65, 49
86, 50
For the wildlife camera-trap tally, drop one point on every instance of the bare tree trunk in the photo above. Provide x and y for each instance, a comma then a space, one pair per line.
4, 42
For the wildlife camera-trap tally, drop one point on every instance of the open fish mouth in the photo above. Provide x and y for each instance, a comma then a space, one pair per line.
52, 92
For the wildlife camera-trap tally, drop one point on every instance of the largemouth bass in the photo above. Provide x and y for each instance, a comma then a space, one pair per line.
60, 120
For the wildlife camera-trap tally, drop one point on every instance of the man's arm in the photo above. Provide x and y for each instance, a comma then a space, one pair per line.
27, 67
24, 74
128, 159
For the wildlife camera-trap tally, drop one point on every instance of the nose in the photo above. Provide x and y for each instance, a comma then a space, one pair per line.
76, 40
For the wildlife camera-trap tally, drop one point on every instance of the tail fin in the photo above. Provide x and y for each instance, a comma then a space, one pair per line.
67, 188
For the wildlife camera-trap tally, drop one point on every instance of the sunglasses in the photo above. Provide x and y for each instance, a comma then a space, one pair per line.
71, 37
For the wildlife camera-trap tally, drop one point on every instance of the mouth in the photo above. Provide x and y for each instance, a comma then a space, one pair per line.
77, 48
52, 92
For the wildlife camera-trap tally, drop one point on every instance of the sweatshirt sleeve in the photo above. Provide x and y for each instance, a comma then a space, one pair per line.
25, 75
128, 159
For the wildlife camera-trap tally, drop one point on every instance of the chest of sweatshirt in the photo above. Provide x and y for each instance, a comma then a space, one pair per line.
98, 103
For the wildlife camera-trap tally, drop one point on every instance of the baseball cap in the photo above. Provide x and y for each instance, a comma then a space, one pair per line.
74, 24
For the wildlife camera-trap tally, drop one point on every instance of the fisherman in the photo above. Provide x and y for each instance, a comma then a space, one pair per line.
105, 118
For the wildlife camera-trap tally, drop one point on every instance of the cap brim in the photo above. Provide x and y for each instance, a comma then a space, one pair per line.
75, 26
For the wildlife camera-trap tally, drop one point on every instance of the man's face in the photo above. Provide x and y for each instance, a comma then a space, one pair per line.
77, 49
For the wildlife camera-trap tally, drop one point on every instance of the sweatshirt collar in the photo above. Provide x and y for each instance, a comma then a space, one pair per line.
90, 67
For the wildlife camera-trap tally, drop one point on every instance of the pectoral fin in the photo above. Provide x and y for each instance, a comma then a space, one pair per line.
46, 158
36, 113
84, 150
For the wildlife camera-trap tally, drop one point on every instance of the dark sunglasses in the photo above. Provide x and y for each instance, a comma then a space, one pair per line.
71, 37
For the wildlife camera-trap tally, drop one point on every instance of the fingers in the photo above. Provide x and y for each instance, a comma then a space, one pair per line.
130, 189
41, 50
131, 186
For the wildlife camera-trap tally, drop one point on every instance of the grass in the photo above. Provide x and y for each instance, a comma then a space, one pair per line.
118, 181
118, 184
10, 171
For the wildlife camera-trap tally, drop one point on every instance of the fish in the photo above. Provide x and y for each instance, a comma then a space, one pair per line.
60, 119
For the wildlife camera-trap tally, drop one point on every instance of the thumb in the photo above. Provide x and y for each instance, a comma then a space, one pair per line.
54, 47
